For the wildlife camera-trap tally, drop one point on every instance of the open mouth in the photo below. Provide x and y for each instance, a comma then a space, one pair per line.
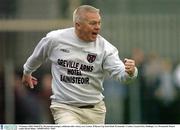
94, 34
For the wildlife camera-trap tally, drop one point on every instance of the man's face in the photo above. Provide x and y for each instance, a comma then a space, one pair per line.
89, 27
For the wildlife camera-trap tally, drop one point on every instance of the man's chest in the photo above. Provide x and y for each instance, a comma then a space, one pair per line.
78, 58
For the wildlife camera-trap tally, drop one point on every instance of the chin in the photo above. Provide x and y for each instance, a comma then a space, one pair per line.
93, 39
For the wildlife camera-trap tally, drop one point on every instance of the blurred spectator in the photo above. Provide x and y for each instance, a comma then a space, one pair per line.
152, 71
159, 106
166, 95
25, 113
45, 94
138, 56
166, 90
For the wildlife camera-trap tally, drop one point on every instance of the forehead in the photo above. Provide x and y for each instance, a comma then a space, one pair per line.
92, 16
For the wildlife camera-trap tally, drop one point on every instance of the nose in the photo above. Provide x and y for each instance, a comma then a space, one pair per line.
98, 26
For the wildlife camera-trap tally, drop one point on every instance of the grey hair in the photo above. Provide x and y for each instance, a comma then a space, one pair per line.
81, 9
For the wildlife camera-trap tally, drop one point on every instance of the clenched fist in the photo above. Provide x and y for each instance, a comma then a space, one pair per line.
129, 66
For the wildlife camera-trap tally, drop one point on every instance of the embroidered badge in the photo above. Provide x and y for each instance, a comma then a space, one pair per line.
91, 57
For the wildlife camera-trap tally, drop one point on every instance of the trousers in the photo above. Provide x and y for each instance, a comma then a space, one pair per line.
67, 114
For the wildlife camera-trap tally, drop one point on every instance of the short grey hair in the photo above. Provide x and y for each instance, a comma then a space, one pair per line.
81, 9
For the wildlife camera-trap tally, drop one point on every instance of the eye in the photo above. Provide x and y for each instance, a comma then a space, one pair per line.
95, 23
92, 23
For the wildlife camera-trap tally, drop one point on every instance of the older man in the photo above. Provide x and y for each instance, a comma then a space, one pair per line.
80, 60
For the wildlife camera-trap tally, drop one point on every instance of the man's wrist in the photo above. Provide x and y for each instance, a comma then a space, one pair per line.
27, 72
134, 75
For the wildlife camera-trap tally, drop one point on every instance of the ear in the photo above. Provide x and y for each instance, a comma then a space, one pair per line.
77, 25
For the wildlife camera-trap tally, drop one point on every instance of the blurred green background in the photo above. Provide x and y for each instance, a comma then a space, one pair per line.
145, 30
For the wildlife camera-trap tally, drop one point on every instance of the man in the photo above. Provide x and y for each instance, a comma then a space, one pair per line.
80, 59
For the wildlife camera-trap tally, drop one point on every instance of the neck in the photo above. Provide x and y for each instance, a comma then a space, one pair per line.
79, 36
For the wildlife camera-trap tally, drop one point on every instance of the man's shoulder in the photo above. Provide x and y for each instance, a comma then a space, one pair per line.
57, 33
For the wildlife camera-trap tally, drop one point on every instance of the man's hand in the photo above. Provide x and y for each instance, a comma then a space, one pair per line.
129, 66
29, 80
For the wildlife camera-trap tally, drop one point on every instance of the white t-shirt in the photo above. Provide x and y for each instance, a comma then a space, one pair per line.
78, 68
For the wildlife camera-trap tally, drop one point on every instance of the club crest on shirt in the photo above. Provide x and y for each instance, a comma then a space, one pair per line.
91, 57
